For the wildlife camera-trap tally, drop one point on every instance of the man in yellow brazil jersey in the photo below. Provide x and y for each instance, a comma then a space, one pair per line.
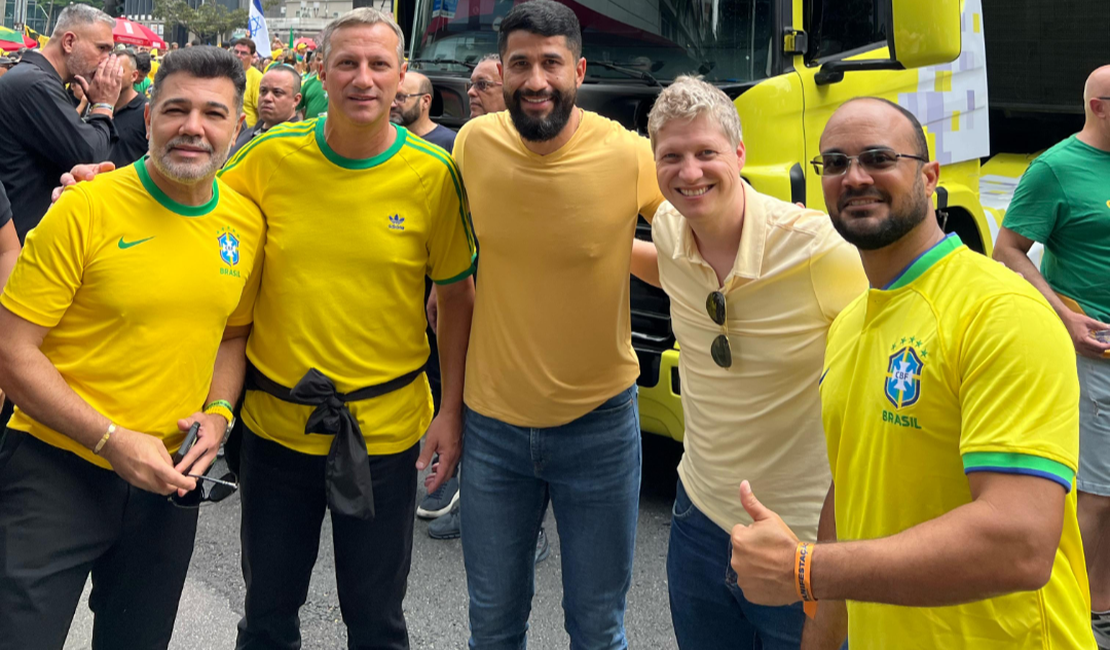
950, 404
127, 294
550, 374
337, 398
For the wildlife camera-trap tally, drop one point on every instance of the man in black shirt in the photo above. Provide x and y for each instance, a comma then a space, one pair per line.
279, 92
9, 252
41, 134
129, 116
411, 108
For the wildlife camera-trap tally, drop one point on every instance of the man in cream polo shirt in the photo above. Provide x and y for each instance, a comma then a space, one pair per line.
754, 284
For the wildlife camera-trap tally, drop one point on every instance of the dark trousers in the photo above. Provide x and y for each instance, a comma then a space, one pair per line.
62, 518
283, 508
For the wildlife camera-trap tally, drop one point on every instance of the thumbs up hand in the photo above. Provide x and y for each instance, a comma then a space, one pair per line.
763, 554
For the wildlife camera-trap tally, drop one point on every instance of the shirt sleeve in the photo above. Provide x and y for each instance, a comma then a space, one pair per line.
1019, 391
51, 127
49, 270
1038, 204
837, 274
452, 250
648, 196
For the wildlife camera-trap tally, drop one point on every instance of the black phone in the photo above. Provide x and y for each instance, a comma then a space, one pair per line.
190, 440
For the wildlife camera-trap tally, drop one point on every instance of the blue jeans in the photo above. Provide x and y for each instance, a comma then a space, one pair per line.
708, 610
589, 469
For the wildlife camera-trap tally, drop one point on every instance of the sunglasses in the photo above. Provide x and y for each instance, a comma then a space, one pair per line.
720, 349
482, 85
873, 160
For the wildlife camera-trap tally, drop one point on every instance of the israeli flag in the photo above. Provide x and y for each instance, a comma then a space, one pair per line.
257, 29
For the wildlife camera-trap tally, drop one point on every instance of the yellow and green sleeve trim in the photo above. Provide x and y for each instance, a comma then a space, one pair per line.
1010, 463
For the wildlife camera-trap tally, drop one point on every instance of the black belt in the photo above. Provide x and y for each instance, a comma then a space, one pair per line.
350, 489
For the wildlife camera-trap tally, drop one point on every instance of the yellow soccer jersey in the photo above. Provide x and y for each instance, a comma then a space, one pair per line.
957, 366
352, 241
136, 290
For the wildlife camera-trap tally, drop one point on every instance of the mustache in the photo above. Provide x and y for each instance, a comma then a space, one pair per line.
870, 193
189, 141
536, 94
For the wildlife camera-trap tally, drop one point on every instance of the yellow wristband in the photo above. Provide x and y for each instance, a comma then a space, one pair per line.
104, 439
216, 408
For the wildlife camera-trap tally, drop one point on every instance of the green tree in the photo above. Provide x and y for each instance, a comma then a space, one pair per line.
209, 20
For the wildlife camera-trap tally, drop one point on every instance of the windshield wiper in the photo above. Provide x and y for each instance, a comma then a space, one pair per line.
468, 66
635, 74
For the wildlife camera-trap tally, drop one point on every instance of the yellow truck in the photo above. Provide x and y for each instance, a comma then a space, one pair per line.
789, 64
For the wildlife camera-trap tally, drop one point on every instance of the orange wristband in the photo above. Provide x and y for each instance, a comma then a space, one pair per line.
803, 556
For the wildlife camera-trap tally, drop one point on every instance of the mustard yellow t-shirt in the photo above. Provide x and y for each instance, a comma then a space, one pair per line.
958, 366
250, 95
760, 419
551, 337
351, 243
137, 290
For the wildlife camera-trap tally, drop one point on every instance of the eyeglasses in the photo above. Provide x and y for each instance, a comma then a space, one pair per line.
482, 85
873, 160
401, 98
720, 349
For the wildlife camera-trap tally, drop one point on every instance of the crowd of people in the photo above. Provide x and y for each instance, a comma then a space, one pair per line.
262, 265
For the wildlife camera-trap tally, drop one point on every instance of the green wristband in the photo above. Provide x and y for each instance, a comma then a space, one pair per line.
219, 402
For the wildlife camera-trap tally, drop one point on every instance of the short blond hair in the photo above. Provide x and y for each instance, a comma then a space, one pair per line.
361, 16
687, 99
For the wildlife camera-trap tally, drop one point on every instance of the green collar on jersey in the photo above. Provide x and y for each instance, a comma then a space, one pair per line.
358, 163
170, 204
925, 261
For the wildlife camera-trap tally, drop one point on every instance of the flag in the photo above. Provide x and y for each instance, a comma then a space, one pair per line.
257, 29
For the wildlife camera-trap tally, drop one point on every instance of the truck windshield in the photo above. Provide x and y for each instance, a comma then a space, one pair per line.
725, 41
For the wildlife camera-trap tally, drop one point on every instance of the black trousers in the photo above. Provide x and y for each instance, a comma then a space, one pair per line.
284, 503
62, 518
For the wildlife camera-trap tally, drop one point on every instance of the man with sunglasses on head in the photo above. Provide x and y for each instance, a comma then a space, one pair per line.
411, 107
950, 405
127, 295
754, 283
1063, 201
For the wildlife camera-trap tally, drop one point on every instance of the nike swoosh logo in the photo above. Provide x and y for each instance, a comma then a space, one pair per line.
124, 245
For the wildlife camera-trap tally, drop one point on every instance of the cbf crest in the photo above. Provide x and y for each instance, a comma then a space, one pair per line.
903, 372
229, 246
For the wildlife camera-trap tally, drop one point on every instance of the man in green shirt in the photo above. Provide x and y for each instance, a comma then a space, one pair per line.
1063, 202
314, 99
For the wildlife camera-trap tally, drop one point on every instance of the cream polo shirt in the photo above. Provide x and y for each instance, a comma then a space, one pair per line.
759, 420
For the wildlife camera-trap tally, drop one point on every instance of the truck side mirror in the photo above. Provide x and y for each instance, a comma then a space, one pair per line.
919, 33
925, 33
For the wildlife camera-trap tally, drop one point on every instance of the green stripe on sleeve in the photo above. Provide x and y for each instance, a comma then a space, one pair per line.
1011, 463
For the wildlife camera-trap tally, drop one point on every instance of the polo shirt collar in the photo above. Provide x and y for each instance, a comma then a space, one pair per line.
138, 101
925, 261
753, 239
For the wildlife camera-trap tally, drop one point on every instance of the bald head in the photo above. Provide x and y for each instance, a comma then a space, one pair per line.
416, 83
905, 124
1098, 85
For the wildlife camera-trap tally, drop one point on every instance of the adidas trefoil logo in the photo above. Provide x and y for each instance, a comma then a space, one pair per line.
396, 222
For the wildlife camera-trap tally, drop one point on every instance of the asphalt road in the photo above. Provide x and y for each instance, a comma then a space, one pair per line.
436, 605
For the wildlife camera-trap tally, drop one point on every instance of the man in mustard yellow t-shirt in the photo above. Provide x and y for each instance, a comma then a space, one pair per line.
126, 295
950, 404
550, 377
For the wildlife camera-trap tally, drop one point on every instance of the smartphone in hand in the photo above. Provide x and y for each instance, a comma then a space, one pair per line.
190, 440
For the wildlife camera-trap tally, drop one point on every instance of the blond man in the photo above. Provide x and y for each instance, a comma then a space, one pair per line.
754, 284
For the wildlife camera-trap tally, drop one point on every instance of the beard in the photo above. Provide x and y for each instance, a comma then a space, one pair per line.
904, 216
188, 172
405, 117
541, 129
